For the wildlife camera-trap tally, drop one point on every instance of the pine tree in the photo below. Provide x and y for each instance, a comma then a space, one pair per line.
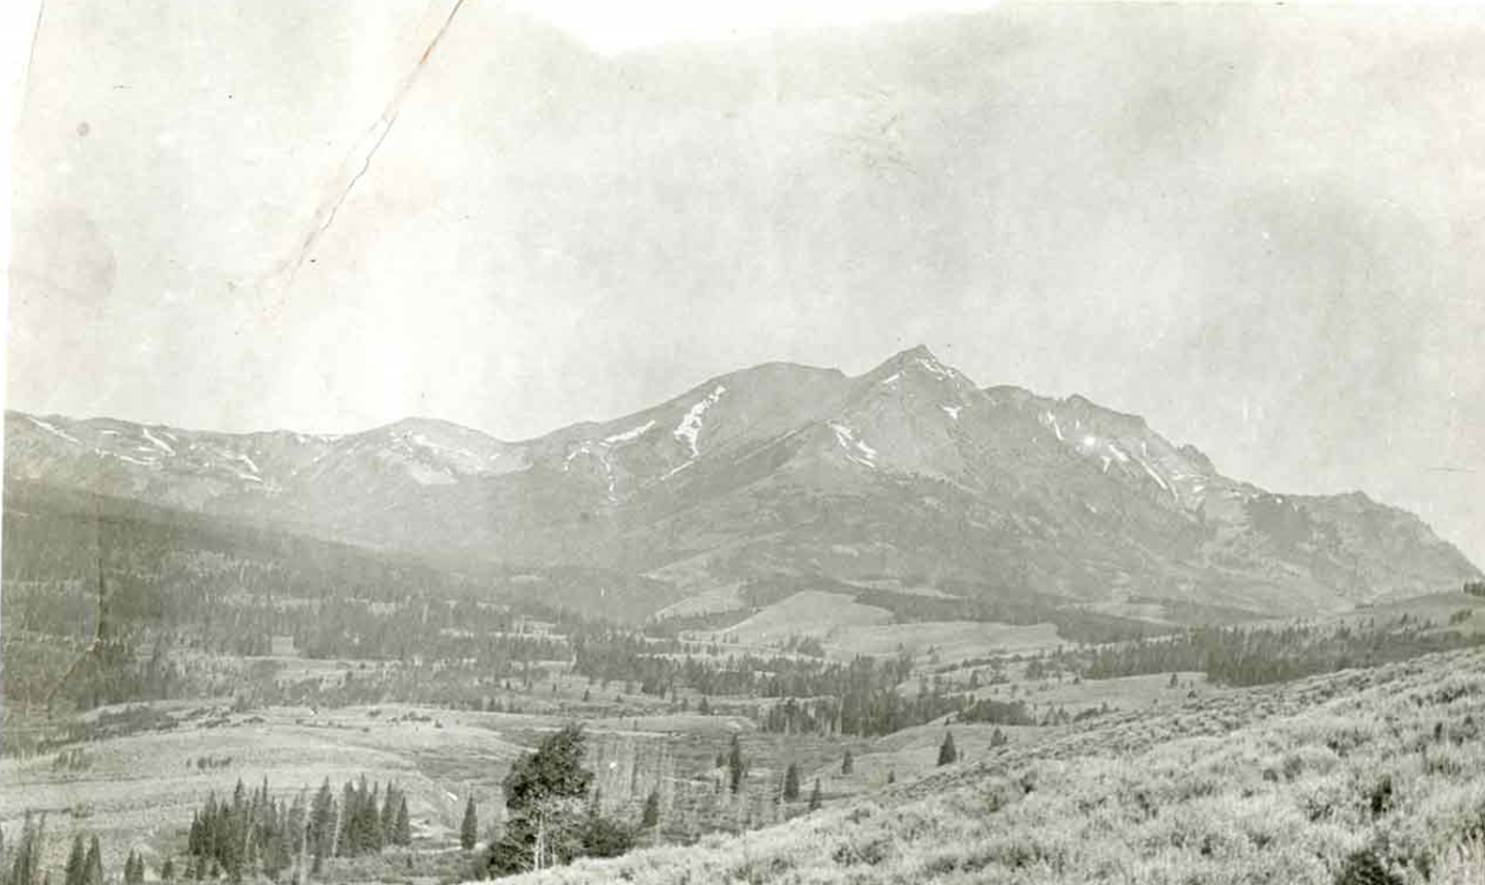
470, 828
402, 827
651, 817
27, 863
133, 869
76, 861
389, 816
847, 763
947, 755
815, 799
546, 823
791, 783
891, 777
167, 870
93, 866
322, 826
345, 837
370, 824
736, 766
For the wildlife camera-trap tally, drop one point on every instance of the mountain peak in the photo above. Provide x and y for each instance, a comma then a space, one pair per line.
915, 358
917, 353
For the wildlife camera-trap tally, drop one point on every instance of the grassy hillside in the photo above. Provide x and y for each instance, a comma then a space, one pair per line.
1355, 777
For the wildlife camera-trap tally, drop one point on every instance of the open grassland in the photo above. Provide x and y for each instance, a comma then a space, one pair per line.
940, 642
809, 613
138, 790
1354, 777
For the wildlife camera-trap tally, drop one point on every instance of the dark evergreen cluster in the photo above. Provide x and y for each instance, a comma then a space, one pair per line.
997, 712
816, 696
1244, 656
133, 869
256, 834
21, 865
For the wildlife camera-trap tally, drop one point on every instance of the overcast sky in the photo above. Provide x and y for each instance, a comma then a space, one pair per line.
1258, 227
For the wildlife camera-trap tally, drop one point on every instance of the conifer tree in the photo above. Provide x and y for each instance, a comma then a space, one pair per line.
133, 869
847, 763
815, 798
389, 816
651, 817
93, 866
736, 766
322, 826
947, 754
791, 783
402, 826
76, 861
26, 865
546, 823
470, 828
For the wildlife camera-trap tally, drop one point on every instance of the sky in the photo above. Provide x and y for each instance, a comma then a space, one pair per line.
1258, 227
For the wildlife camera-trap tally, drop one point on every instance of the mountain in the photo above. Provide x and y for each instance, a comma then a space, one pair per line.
908, 479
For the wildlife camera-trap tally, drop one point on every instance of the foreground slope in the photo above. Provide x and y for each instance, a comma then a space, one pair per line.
907, 476
1368, 773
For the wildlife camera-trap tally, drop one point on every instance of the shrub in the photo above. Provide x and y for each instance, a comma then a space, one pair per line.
1380, 799
1362, 867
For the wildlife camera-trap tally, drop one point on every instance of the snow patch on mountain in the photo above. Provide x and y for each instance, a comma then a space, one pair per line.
238, 456
1050, 420
856, 449
689, 430
630, 435
157, 442
934, 368
952, 411
54, 430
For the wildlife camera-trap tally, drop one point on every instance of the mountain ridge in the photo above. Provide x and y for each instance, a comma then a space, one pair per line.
907, 474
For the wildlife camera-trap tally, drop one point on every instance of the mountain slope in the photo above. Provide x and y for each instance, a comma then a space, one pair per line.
906, 476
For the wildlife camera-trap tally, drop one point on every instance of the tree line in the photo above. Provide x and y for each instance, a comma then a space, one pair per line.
1246, 656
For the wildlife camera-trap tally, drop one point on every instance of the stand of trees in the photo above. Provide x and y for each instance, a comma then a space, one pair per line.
256, 834
21, 864
997, 712
1239, 656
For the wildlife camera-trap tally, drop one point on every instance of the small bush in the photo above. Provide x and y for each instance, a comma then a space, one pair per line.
1380, 799
1363, 868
